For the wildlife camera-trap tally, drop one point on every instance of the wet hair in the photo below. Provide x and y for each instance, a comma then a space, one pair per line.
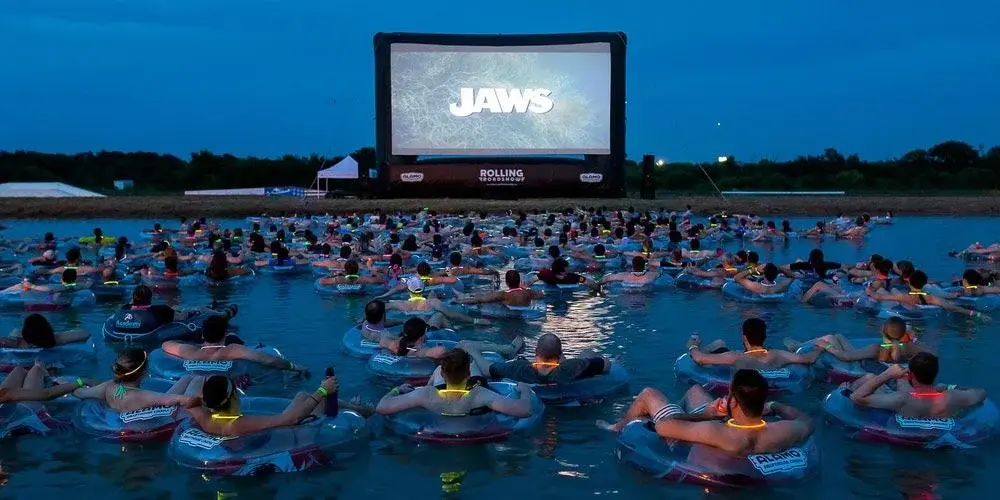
217, 392
396, 260
924, 367
73, 255
638, 264
410, 243
213, 329
905, 268
455, 366
548, 348
553, 251
918, 279
351, 267
741, 256
69, 276
142, 296
345, 252
413, 330
816, 257
755, 331
375, 311
749, 389
883, 266
695, 244
37, 331
972, 277
753, 257
423, 268
130, 365
455, 258
770, 272
559, 265
895, 325
512, 278
49, 236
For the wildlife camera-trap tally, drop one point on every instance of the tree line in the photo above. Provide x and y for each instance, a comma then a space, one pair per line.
951, 166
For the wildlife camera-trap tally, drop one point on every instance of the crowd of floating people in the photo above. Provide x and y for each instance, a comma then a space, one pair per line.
184, 377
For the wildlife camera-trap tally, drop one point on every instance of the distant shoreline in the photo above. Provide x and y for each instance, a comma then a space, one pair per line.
176, 206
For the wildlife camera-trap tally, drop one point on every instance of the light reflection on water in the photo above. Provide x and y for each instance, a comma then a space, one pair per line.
567, 456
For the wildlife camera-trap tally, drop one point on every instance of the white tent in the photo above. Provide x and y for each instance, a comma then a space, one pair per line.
344, 169
44, 190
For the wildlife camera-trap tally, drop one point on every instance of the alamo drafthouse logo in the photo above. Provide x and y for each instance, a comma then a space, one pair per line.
591, 177
501, 175
411, 177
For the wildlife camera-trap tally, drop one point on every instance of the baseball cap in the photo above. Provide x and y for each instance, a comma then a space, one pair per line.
415, 284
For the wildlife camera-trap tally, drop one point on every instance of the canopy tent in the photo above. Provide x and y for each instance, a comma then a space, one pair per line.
44, 190
344, 169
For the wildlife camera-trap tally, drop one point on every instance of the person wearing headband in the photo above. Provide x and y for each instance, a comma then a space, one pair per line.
438, 312
123, 393
221, 414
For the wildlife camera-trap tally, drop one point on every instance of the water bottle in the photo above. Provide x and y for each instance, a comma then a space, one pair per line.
332, 403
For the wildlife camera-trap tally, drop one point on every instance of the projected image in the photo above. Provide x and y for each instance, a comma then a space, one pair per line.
457, 100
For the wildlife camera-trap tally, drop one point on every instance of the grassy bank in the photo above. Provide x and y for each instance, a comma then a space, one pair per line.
173, 206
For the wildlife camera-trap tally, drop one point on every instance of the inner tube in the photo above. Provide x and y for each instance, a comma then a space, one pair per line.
832, 370
974, 426
585, 391
920, 313
735, 291
244, 373
155, 424
161, 282
140, 326
790, 379
59, 356
639, 446
662, 282
689, 281
18, 419
47, 301
348, 289
499, 310
390, 366
355, 345
490, 427
314, 443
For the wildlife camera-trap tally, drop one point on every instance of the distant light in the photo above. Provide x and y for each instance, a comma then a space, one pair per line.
718, 124
660, 162
723, 159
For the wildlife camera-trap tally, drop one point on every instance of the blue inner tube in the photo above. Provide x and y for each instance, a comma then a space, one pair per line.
17, 419
734, 291
317, 442
245, 373
832, 370
348, 289
790, 379
388, 365
134, 326
586, 391
60, 356
662, 282
43, 301
640, 447
692, 282
919, 313
974, 426
356, 345
154, 424
490, 427
499, 310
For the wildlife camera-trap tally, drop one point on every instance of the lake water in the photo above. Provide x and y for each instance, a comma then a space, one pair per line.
567, 457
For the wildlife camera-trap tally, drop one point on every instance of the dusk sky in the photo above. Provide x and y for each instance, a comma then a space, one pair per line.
251, 77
